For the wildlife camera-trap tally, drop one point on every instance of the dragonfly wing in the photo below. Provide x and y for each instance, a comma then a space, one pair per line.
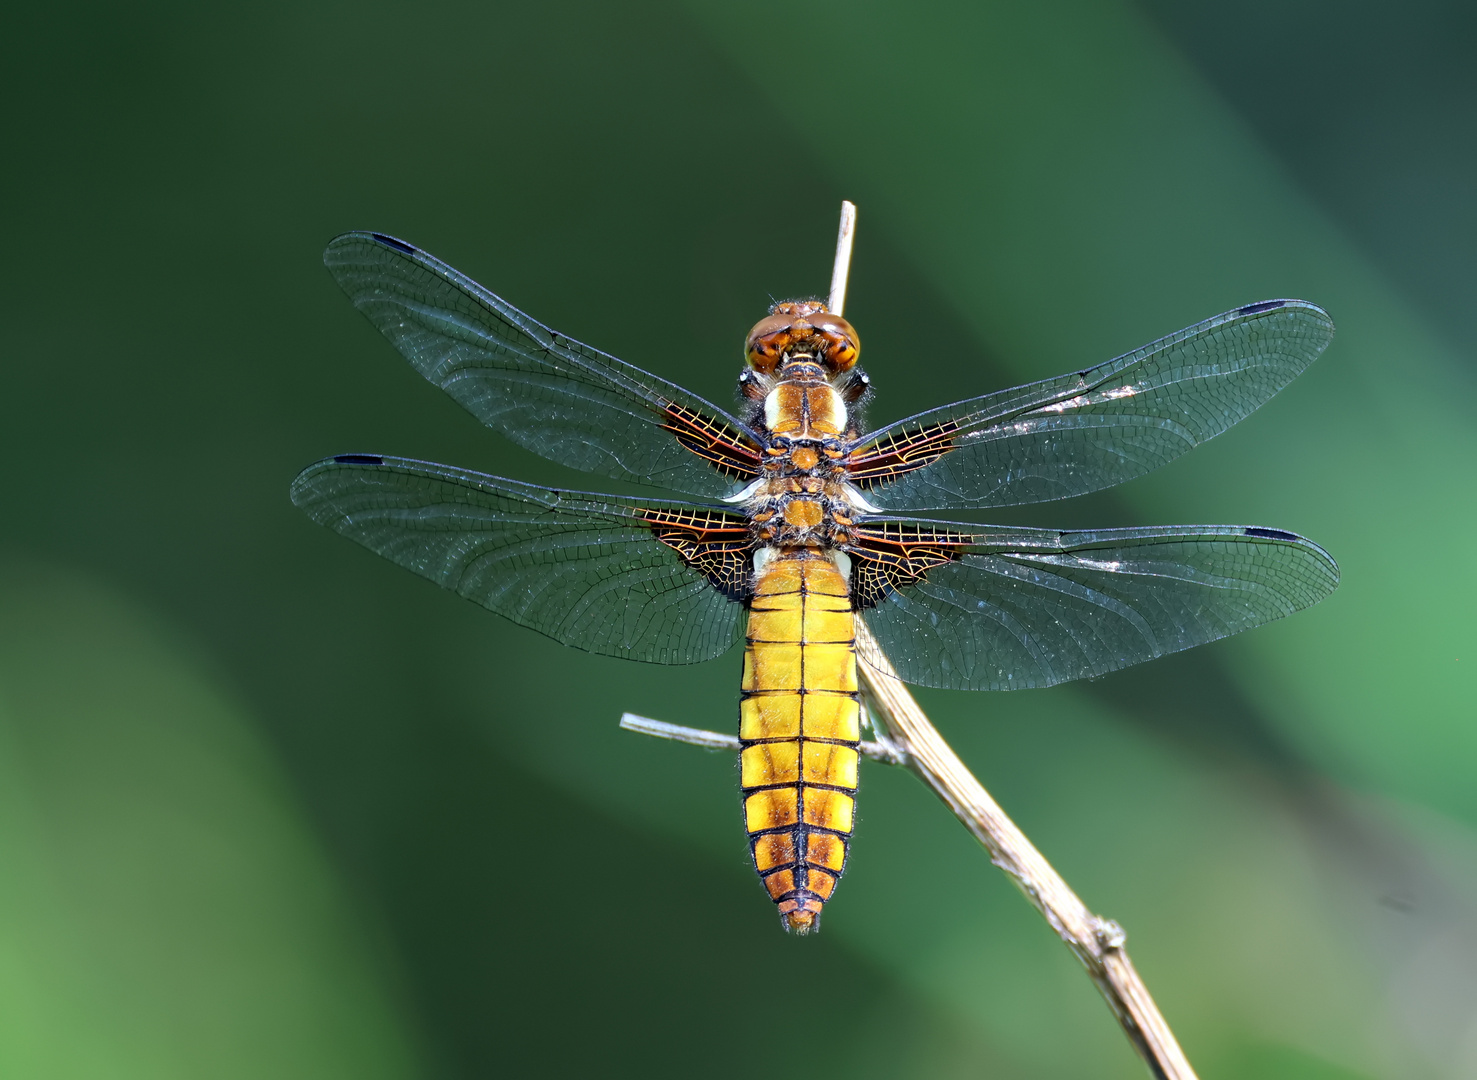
654, 580
1092, 429
546, 392
969, 607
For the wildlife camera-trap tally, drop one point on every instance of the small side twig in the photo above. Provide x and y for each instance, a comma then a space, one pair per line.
883, 749
905, 736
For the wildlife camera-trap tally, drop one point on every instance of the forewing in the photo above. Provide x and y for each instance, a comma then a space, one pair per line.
653, 580
967, 607
546, 392
1092, 429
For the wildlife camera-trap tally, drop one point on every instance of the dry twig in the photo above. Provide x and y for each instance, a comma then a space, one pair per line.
905, 736
1096, 941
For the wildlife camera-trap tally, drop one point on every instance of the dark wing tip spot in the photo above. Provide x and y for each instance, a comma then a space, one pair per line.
1257, 309
359, 459
390, 241
1272, 534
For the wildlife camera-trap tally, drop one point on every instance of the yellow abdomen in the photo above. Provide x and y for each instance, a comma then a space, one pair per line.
800, 722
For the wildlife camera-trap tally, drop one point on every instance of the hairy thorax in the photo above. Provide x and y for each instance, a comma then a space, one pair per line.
802, 498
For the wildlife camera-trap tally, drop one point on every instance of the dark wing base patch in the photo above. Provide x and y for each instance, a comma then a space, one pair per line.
892, 456
714, 544
712, 440
888, 556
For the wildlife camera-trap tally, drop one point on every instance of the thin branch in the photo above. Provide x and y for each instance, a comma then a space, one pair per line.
708, 740
905, 736
842, 269
883, 750
1095, 941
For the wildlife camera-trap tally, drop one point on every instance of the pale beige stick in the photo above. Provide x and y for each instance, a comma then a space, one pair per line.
842, 268
1097, 942
881, 750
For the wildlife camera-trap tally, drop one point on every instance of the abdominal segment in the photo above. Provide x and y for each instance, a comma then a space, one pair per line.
800, 722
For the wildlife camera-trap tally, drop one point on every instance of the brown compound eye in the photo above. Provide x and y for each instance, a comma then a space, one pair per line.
767, 342
842, 346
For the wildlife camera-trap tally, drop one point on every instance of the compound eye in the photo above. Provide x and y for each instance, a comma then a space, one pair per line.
767, 342
842, 346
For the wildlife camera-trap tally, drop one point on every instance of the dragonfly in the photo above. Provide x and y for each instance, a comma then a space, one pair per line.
796, 521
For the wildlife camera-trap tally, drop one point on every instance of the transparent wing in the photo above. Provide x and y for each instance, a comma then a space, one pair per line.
656, 581
1092, 429
967, 607
546, 392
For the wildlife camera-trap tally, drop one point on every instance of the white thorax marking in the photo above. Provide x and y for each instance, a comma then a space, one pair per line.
762, 558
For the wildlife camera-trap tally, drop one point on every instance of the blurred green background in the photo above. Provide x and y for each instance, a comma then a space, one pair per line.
270, 807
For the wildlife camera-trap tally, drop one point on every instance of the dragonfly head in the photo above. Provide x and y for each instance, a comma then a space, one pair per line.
802, 330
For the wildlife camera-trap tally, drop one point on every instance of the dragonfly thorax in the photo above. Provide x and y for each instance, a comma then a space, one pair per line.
801, 512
